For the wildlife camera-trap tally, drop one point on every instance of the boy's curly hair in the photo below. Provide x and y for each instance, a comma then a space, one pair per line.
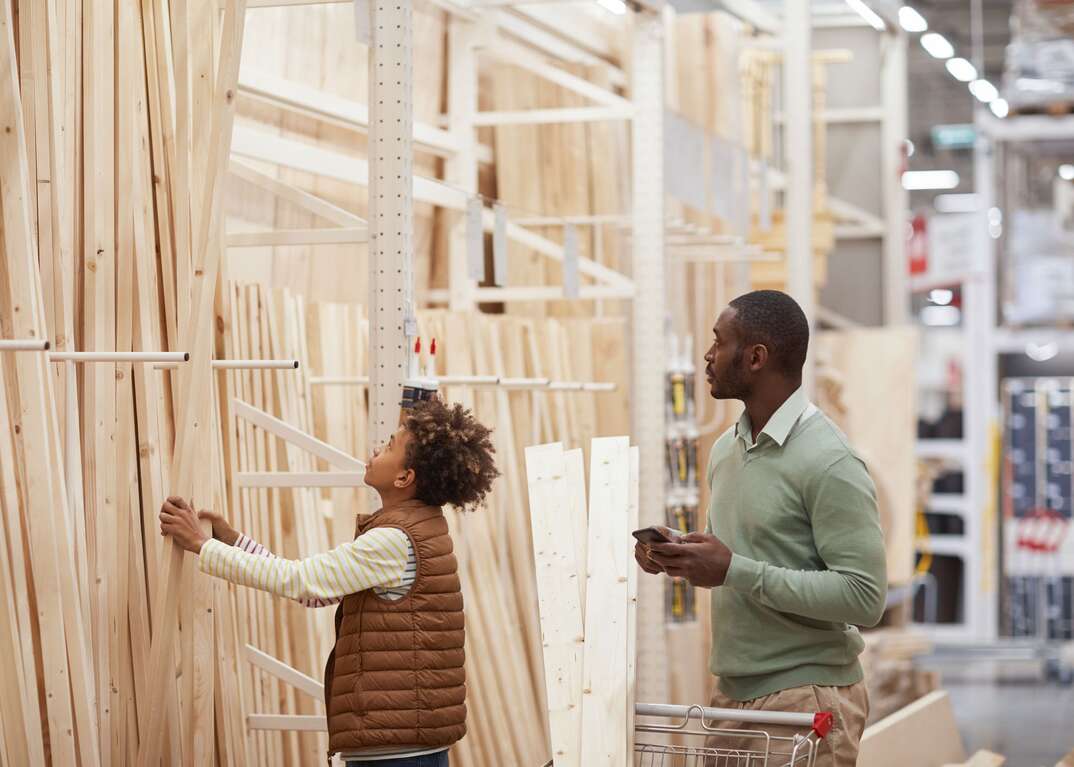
451, 454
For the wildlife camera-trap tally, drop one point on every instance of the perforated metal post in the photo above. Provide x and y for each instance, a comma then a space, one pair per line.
391, 216
896, 199
648, 328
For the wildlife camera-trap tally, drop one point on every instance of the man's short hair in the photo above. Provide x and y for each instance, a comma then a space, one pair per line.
773, 318
451, 453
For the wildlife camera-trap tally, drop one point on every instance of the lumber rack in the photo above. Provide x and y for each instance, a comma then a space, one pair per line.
160, 360
515, 384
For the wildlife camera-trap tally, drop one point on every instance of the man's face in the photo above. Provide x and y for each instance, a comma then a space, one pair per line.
388, 462
727, 369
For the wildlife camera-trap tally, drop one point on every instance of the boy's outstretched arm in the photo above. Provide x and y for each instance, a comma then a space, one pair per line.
377, 559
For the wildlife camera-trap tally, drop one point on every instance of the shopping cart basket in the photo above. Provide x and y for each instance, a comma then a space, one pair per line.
705, 745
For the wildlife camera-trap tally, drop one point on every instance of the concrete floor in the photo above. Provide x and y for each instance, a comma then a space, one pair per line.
1031, 723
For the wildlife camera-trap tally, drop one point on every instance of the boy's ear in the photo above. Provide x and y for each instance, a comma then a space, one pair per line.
405, 478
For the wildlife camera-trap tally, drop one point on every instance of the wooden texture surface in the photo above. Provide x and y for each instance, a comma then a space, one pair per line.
924, 733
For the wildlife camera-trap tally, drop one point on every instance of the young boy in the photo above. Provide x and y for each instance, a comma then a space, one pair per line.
395, 687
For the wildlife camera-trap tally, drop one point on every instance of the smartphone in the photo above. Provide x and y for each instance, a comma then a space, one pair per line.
656, 534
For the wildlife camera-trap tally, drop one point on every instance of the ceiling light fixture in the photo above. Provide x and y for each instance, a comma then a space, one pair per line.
937, 45
919, 180
984, 91
867, 13
1066, 172
911, 20
961, 70
1000, 108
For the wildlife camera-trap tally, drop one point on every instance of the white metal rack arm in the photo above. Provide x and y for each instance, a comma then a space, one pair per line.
23, 345
241, 365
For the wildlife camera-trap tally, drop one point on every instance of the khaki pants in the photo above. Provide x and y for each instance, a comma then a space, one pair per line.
849, 706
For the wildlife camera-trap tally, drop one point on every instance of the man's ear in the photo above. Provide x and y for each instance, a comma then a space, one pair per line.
405, 478
758, 356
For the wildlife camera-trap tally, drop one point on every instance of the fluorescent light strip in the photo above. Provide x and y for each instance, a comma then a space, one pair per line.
937, 45
911, 20
919, 180
867, 13
961, 70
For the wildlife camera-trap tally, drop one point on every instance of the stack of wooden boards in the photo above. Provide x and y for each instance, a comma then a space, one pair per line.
116, 123
587, 594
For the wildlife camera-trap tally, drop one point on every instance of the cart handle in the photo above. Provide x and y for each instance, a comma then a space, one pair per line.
820, 722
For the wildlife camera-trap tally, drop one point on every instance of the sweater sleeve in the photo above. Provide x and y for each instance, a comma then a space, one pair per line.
841, 504
377, 559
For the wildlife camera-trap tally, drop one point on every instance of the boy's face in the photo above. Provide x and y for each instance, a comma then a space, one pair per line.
386, 468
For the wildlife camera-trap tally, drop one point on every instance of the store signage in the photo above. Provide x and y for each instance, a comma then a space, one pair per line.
955, 136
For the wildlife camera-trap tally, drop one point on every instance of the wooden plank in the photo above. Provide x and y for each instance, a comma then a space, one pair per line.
557, 571
62, 631
285, 673
633, 513
884, 438
605, 719
578, 512
924, 733
194, 392
20, 721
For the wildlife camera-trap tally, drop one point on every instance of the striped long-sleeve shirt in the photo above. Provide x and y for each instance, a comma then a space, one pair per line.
381, 559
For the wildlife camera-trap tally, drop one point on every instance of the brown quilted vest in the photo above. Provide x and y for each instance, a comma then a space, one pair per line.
396, 677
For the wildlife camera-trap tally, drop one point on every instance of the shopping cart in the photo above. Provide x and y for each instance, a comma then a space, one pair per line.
708, 746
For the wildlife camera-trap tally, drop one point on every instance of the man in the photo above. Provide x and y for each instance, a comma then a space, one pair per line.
395, 683
793, 550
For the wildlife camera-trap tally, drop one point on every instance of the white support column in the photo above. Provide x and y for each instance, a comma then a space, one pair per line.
391, 215
981, 408
798, 159
896, 200
648, 329
462, 168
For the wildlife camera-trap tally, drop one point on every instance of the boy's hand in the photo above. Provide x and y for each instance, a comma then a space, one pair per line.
178, 520
222, 529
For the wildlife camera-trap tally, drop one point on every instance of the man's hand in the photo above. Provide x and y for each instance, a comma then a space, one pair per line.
222, 529
177, 519
641, 554
700, 558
